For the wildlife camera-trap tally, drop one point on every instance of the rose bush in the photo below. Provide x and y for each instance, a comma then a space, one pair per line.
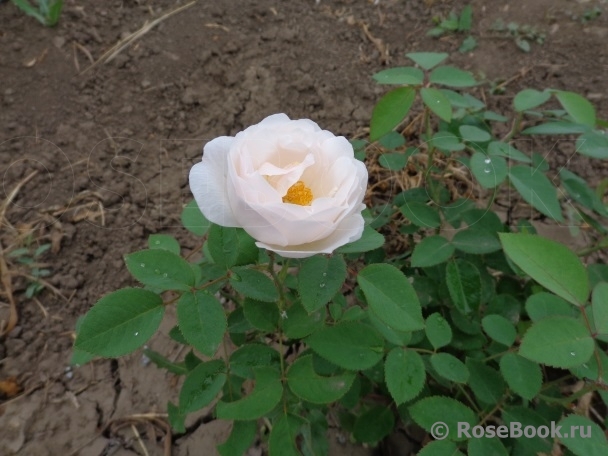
295, 188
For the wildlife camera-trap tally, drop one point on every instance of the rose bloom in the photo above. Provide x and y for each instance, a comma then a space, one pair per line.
296, 189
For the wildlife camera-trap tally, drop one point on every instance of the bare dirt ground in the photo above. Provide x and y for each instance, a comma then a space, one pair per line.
94, 159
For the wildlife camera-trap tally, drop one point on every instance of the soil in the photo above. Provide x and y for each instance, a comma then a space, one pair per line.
95, 158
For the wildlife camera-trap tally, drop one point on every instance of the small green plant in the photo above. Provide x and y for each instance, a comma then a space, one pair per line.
522, 35
456, 23
29, 257
591, 14
47, 12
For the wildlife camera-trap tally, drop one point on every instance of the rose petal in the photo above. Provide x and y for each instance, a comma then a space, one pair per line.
349, 230
208, 182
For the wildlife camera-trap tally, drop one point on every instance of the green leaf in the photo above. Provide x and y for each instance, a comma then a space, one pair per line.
440, 448
300, 324
486, 446
474, 134
370, 240
550, 263
438, 330
201, 386
523, 376
600, 307
450, 367
164, 242
262, 315
399, 338
593, 144
177, 335
485, 382
437, 102
390, 111
578, 189
120, 323
164, 363
282, 440
400, 75
231, 246
160, 269
29, 10
392, 140
557, 341
500, 329
265, 396
522, 44
202, 321
526, 416
530, 99
194, 220
176, 418
309, 386
465, 19
80, 357
468, 44
320, 278
431, 251
477, 241
452, 77
537, 190
254, 284
501, 149
240, 439
427, 60
54, 13
404, 374
421, 215
394, 162
489, 170
578, 107
391, 297
590, 439
245, 359
494, 116
597, 273
464, 285
351, 345
543, 304
428, 411
556, 128
373, 425
446, 141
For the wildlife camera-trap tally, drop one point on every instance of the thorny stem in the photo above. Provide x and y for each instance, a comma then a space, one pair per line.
278, 281
227, 368
431, 148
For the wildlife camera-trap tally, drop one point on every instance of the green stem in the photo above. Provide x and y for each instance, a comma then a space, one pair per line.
589, 250
431, 150
278, 281
471, 401
565, 401
600, 373
496, 355
515, 128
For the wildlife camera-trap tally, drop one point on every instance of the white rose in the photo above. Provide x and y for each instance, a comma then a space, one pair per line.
296, 189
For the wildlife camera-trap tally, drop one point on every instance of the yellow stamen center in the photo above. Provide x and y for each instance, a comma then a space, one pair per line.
298, 193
